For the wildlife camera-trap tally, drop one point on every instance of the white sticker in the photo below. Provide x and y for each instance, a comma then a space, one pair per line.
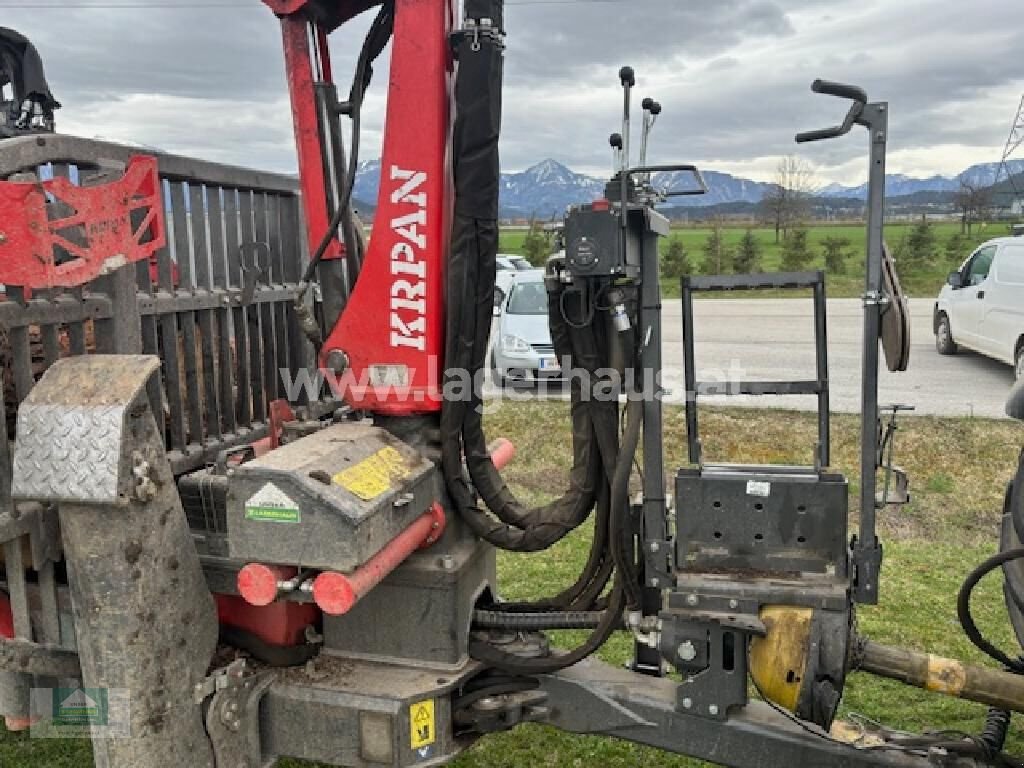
759, 488
389, 376
272, 505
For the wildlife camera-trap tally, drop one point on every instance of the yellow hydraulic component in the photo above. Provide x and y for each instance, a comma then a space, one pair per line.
778, 660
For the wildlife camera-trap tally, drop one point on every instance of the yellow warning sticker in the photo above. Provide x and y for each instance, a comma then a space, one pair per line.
421, 724
373, 475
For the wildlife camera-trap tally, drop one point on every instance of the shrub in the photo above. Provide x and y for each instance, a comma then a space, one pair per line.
747, 259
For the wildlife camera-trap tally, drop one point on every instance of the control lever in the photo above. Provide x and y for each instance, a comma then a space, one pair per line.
615, 140
651, 111
628, 79
852, 92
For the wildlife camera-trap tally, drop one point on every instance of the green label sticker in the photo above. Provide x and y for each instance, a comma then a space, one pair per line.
272, 505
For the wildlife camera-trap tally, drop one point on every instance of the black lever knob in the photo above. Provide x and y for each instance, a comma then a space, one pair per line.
627, 76
648, 104
656, 108
615, 140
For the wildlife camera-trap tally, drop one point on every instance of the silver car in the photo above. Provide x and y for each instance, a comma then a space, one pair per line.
522, 349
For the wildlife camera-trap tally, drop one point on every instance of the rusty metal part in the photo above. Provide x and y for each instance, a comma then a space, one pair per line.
232, 718
996, 688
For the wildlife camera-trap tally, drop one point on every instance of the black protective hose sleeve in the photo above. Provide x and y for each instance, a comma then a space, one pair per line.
535, 622
963, 608
507, 662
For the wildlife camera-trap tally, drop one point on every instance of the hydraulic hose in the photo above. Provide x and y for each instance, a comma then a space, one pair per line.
963, 609
507, 662
535, 622
376, 39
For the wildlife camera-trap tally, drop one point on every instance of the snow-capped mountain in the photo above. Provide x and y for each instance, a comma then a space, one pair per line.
980, 175
548, 188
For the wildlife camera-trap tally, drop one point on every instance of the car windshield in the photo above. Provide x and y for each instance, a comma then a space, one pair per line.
528, 299
522, 265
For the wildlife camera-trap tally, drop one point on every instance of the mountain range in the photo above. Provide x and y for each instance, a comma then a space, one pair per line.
548, 188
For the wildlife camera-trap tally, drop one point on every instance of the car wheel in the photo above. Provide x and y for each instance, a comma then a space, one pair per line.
944, 337
1019, 363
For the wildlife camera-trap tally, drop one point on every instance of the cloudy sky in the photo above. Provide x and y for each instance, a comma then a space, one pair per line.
733, 76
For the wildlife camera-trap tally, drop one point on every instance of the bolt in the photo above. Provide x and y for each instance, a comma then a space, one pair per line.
713, 710
337, 361
687, 703
654, 546
448, 563
687, 651
654, 582
3, 238
734, 604
692, 600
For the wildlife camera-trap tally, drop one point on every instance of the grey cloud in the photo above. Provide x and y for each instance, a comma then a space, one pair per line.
733, 75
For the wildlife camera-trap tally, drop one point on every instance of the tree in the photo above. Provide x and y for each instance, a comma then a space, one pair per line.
537, 244
836, 254
716, 255
957, 247
795, 253
676, 262
787, 201
921, 244
974, 203
747, 258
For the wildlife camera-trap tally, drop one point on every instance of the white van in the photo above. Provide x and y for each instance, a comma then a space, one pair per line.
981, 307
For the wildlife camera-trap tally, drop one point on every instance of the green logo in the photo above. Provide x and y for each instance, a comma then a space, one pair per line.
80, 707
272, 514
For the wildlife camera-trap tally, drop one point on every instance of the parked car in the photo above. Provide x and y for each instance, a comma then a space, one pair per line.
981, 307
522, 350
510, 262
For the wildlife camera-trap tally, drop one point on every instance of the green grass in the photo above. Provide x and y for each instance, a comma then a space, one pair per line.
959, 468
924, 282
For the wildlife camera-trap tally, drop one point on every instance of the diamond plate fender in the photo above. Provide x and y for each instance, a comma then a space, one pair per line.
70, 428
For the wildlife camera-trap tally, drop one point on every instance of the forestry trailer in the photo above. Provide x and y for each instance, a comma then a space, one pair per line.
248, 510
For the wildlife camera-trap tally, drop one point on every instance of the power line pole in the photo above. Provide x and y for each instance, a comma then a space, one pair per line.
1013, 142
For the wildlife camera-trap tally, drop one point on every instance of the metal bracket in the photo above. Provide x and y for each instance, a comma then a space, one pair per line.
70, 428
867, 567
232, 720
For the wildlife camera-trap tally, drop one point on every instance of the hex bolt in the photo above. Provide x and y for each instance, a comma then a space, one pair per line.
692, 600
713, 710
3, 238
448, 563
654, 546
687, 703
687, 651
734, 604
654, 582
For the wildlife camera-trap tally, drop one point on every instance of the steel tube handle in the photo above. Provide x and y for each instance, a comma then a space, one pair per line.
652, 169
843, 91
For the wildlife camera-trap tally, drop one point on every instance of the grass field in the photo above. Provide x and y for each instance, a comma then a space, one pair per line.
959, 469
919, 283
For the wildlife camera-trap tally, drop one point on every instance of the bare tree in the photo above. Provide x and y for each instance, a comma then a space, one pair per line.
974, 204
788, 199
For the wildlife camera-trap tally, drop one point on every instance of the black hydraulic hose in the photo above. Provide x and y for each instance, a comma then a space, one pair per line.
963, 609
619, 525
377, 37
507, 662
993, 737
535, 622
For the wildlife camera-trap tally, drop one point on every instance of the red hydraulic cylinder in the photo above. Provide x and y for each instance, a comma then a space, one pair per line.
336, 593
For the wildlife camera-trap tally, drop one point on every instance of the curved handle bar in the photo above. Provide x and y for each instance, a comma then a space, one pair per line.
651, 169
841, 90
859, 97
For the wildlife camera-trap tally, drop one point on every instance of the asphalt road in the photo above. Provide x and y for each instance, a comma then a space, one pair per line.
773, 339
